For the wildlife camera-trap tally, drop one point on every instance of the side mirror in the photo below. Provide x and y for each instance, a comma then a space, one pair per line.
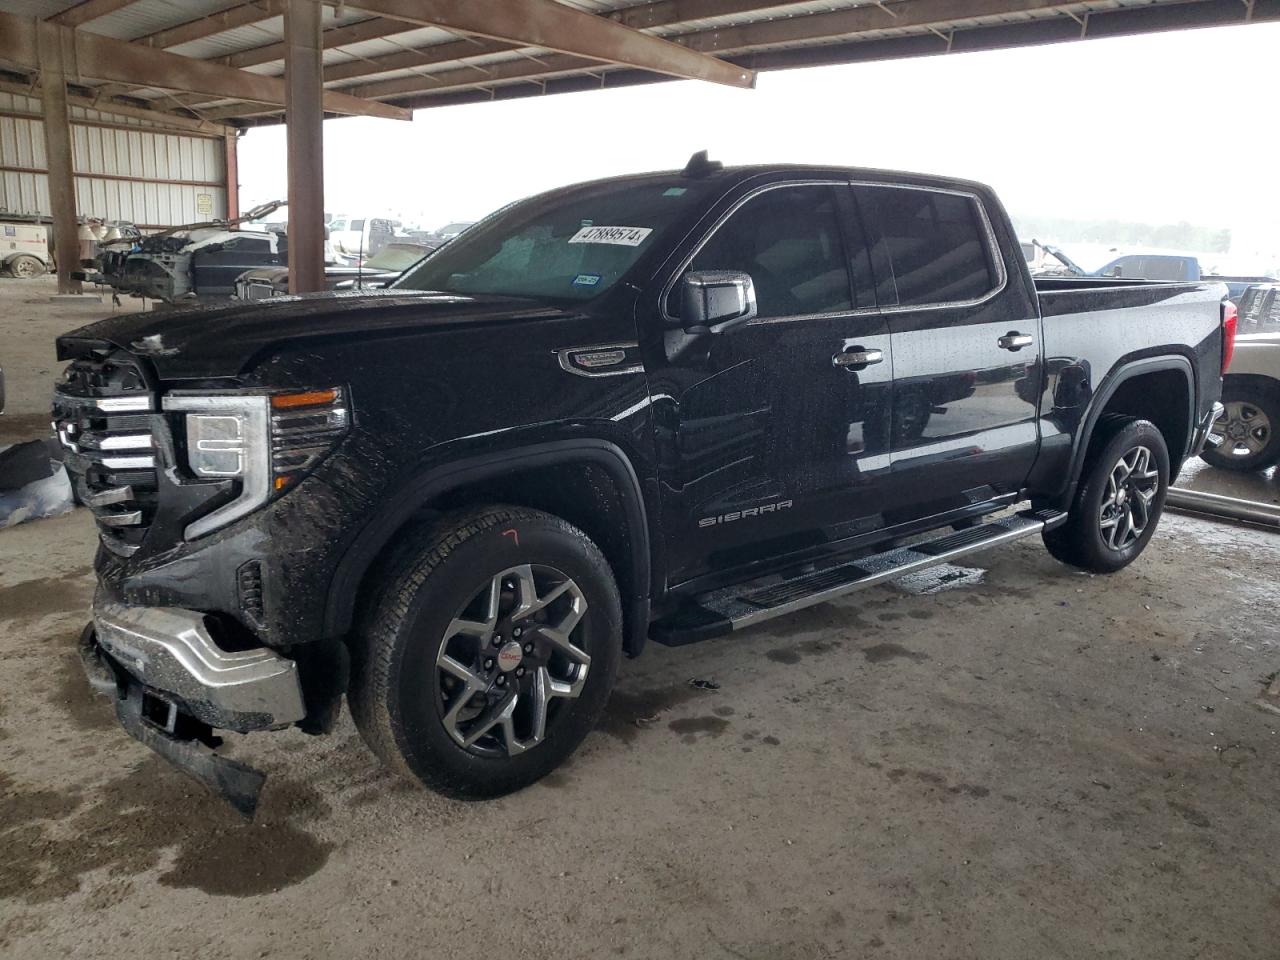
713, 301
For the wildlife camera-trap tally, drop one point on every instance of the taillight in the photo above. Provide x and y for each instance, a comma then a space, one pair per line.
1230, 317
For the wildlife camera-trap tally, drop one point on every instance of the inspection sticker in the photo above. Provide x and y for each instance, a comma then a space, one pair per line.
619, 236
586, 280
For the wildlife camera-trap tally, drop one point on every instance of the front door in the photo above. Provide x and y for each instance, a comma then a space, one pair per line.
773, 436
966, 348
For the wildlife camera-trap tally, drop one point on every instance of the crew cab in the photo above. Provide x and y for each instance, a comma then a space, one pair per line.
660, 407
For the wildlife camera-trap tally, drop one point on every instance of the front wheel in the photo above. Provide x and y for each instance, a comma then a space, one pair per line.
1249, 428
490, 652
1119, 500
24, 267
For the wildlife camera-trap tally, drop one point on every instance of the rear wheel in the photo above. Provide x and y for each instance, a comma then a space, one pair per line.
1120, 498
490, 653
1249, 427
24, 267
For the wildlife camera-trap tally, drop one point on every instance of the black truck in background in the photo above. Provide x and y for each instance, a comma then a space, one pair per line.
657, 407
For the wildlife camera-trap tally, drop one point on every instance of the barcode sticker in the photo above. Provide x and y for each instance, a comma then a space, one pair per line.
619, 236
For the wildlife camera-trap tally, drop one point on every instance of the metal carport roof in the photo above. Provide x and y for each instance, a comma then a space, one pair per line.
391, 54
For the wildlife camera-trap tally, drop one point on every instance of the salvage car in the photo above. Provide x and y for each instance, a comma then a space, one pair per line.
190, 262
654, 407
378, 271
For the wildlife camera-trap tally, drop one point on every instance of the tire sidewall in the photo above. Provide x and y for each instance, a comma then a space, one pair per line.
1098, 554
421, 738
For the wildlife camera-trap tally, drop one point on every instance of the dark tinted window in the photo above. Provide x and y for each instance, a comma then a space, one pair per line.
788, 240
936, 243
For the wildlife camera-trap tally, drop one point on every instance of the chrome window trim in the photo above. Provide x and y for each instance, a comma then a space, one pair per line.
993, 249
737, 204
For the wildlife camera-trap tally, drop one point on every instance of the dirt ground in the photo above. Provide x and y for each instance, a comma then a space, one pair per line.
1041, 764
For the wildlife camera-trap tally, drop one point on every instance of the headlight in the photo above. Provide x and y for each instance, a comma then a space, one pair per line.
265, 442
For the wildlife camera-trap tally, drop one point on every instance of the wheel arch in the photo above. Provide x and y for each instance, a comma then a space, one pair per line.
588, 482
1128, 390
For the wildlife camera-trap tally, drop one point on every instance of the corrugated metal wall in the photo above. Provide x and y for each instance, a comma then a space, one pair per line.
152, 179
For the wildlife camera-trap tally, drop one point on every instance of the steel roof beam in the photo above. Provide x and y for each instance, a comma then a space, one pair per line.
641, 16
555, 26
103, 58
82, 13
214, 23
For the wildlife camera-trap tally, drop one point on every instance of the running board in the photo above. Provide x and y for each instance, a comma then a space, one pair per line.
743, 605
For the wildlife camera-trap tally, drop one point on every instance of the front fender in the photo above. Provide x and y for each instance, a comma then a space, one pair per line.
420, 487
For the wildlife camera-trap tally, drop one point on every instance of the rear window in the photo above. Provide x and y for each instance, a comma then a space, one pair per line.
937, 244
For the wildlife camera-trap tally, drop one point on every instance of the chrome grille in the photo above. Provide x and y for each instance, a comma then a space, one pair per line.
103, 412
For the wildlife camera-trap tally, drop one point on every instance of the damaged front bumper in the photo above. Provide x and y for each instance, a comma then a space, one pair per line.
173, 685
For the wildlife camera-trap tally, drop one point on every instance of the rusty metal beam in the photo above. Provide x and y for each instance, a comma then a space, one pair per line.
642, 16
845, 24
862, 19
103, 58
52, 55
214, 23
465, 77
370, 29
549, 24
82, 13
304, 116
427, 56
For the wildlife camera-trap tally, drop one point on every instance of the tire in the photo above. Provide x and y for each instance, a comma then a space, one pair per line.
1090, 539
1249, 427
25, 267
426, 668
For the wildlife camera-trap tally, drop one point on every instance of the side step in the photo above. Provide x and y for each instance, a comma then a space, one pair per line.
743, 605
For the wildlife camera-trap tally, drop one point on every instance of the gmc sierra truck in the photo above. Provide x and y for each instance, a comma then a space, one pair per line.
664, 407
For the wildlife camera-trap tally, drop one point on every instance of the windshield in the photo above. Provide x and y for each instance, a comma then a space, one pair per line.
397, 256
572, 245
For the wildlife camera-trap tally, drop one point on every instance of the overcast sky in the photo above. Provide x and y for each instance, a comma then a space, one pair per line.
1157, 128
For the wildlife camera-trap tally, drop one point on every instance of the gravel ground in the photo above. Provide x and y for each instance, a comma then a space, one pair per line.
1038, 764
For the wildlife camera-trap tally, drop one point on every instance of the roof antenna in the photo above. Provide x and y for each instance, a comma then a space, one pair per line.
699, 166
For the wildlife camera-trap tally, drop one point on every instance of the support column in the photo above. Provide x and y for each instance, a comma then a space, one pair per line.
304, 115
57, 149
231, 174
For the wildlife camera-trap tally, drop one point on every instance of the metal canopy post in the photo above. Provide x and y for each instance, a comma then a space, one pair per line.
304, 116
57, 149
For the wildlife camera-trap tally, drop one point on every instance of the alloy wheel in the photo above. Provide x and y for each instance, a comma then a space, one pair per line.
1244, 429
509, 655
1126, 508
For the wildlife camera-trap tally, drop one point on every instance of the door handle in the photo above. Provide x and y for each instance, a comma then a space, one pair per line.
1015, 341
857, 358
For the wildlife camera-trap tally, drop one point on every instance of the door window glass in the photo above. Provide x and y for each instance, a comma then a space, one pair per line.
937, 244
788, 240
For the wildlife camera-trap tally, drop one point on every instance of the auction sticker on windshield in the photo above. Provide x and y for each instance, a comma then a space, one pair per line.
621, 236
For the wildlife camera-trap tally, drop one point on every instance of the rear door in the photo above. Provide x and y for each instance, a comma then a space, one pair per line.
773, 436
966, 346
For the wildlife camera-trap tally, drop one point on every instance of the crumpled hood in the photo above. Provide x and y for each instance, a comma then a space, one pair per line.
222, 341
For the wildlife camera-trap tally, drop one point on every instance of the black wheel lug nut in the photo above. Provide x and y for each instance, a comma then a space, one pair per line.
488, 664
519, 671
501, 679
528, 648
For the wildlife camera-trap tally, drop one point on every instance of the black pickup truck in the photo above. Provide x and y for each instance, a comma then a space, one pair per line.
661, 407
